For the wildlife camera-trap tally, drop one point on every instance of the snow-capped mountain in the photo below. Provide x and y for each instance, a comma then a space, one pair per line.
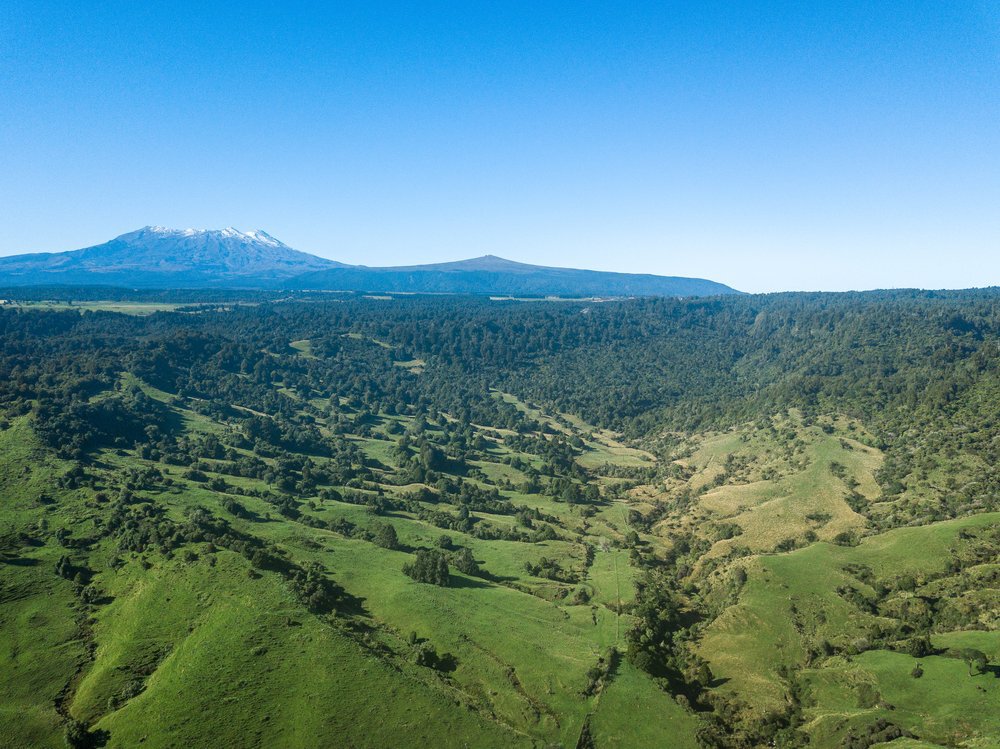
157, 256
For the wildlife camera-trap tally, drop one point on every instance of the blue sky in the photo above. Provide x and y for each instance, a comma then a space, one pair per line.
768, 145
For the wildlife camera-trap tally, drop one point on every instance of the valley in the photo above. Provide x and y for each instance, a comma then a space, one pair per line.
448, 522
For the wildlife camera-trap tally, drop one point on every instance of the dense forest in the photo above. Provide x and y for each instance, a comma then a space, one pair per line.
726, 522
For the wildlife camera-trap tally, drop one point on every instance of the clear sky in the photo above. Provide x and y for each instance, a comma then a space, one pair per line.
768, 145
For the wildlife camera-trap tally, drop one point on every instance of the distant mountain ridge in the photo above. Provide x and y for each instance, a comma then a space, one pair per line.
494, 275
158, 257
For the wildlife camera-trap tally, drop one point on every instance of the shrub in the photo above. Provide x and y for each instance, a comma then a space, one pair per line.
385, 536
429, 566
466, 563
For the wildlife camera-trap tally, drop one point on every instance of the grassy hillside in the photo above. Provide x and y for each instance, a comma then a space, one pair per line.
241, 528
174, 635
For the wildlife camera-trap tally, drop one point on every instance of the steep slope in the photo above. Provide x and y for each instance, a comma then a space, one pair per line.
494, 275
156, 256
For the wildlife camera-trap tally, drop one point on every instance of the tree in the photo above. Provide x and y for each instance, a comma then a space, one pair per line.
976, 659
466, 563
919, 647
78, 736
432, 458
426, 655
385, 536
65, 568
430, 566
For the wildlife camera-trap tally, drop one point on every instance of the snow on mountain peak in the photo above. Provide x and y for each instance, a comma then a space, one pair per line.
168, 232
258, 236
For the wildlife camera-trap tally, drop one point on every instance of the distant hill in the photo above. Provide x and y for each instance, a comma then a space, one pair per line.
156, 257
494, 275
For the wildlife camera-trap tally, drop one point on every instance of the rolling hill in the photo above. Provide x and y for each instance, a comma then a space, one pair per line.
457, 522
495, 275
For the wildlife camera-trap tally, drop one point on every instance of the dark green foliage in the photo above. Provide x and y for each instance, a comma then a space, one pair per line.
976, 660
658, 613
919, 647
551, 570
466, 563
74, 425
235, 508
384, 535
424, 654
78, 736
429, 566
65, 568
293, 436
315, 590
881, 731
897, 360
132, 689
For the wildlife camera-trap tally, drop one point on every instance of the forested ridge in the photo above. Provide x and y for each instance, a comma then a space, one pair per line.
654, 493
